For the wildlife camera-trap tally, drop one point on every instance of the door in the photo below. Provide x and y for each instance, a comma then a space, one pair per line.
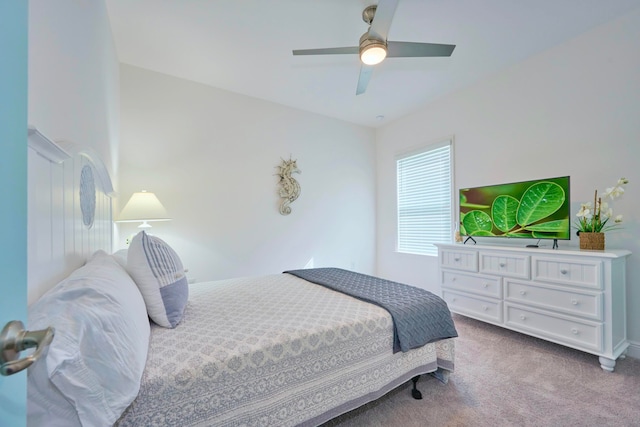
13, 193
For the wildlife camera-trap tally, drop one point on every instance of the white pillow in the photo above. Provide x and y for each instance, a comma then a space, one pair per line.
99, 349
121, 257
160, 276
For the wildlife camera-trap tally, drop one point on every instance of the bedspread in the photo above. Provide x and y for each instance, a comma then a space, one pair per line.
273, 350
419, 316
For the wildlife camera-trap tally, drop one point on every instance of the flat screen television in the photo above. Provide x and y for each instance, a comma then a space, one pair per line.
537, 209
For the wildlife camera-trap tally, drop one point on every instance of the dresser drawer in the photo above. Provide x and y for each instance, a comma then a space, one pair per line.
464, 260
582, 273
505, 264
566, 300
489, 286
561, 329
488, 310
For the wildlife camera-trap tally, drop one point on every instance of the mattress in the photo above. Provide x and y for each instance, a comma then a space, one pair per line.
273, 350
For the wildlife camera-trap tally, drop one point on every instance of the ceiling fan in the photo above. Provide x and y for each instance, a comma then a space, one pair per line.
374, 46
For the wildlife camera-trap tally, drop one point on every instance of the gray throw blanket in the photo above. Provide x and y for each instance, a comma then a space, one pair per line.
419, 316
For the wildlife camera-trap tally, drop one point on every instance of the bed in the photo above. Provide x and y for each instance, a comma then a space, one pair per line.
270, 350
284, 352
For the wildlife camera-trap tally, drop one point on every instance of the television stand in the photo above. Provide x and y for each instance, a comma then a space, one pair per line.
570, 297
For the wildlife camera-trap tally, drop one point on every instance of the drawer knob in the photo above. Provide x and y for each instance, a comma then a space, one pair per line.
563, 271
502, 264
456, 259
574, 301
523, 293
574, 331
453, 279
485, 285
485, 308
523, 317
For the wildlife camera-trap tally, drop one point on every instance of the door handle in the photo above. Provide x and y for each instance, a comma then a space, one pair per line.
15, 339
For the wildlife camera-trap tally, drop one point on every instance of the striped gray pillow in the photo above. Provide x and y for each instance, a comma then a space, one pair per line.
160, 276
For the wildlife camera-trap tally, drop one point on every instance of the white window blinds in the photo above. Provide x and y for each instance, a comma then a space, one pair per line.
424, 199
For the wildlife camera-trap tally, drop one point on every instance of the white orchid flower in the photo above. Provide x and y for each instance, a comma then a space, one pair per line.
584, 212
595, 216
614, 192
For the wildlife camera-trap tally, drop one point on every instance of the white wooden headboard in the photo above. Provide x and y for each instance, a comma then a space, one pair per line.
62, 232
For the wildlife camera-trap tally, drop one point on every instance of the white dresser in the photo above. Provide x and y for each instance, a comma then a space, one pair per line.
570, 297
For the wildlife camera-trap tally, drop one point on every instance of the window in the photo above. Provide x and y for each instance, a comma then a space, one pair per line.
424, 199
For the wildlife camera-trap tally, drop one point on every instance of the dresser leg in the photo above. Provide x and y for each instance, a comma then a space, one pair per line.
607, 364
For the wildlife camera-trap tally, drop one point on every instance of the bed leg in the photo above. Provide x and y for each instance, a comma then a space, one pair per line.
415, 392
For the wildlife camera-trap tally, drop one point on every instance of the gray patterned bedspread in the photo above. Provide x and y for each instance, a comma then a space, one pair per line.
419, 316
274, 350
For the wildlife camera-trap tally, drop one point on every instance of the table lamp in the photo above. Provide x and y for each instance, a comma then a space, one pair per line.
143, 207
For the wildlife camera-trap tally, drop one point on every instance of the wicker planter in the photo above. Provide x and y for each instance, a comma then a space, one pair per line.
592, 241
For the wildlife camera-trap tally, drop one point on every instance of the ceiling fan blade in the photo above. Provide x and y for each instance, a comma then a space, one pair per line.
410, 49
363, 80
382, 20
327, 51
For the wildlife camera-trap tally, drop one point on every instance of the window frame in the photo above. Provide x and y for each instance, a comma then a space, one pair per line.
431, 249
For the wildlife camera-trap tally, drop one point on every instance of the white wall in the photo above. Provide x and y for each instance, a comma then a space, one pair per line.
73, 75
211, 156
73, 96
573, 110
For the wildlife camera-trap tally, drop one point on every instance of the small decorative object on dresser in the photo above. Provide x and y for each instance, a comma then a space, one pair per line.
569, 297
593, 219
592, 241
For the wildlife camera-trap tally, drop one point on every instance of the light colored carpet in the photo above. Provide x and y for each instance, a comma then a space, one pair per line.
503, 378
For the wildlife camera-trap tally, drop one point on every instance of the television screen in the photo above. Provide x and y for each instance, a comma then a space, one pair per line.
538, 209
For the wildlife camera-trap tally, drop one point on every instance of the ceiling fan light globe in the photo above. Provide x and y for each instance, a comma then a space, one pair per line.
372, 55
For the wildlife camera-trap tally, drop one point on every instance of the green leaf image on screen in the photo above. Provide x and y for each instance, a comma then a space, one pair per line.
503, 212
530, 209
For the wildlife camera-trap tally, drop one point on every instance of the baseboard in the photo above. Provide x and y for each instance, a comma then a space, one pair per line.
634, 350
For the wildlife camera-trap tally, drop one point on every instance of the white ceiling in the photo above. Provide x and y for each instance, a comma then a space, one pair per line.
244, 46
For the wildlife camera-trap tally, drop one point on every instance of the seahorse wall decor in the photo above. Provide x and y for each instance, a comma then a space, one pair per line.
289, 187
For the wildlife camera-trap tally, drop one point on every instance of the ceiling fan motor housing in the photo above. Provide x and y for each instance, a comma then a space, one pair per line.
372, 50
369, 43
367, 40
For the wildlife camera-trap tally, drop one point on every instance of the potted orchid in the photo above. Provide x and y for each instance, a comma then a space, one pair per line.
597, 217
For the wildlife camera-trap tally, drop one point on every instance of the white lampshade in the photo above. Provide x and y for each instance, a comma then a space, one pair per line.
143, 207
